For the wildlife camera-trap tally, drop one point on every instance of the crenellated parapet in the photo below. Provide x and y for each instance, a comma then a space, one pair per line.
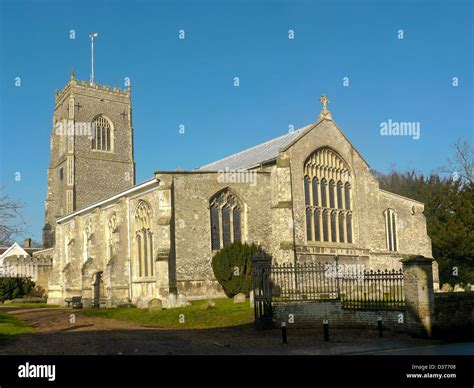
88, 88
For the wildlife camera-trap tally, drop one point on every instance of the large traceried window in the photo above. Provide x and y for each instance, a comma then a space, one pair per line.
328, 197
391, 230
226, 219
102, 134
143, 240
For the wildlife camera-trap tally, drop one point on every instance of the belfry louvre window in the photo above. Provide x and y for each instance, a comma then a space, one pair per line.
328, 197
226, 220
391, 230
143, 240
102, 133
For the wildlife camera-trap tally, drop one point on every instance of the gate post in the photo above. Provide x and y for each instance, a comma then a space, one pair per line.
262, 290
419, 295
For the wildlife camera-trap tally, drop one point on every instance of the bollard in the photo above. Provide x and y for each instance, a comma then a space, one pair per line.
380, 326
283, 332
326, 330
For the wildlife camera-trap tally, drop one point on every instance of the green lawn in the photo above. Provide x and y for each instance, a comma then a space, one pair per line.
11, 327
224, 313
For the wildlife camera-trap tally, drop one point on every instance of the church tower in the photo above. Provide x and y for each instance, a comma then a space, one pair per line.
91, 149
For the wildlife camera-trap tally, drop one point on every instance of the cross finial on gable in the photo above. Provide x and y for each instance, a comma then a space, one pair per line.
325, 114
324, 100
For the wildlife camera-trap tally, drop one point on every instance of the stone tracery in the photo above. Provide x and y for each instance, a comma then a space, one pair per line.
327, 190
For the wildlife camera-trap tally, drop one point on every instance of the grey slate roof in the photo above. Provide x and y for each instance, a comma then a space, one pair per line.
252, 157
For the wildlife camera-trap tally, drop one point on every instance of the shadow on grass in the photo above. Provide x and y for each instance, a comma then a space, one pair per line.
238, 340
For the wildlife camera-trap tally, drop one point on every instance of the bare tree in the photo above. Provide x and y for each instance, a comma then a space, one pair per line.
461, 166
11, 219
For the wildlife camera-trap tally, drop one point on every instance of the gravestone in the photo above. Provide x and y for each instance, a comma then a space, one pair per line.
446, 288
208, 305
458, 288
155, 305
239, 298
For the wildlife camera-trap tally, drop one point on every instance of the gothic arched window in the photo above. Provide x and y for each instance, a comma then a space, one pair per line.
327, 190
340, 203
317, 225
347, 195
315, 191
342, 223
333, 226
226, 220
332, 203
215, 229
324, 185
391, 229
325, 225
226, 235
349, 227
309, 231
101, 134
143, 240
306, 191
236, 224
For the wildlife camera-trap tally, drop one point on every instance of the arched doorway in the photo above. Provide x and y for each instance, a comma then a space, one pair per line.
98, 289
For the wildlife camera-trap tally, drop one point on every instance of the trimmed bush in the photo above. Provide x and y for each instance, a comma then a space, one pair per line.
232, 268
12, 287
28, 299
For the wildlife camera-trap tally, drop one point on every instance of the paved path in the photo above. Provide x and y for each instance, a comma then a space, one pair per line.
54, 334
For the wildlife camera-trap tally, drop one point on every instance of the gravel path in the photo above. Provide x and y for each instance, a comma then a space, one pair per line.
54, 334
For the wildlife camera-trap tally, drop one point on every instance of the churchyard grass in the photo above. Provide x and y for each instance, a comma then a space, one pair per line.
225, 313
11, 327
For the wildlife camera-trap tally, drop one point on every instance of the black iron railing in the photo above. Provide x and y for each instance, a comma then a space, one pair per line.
375, 290
354, 286
307, 281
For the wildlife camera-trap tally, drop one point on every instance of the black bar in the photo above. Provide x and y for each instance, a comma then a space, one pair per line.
283, 333
326, 330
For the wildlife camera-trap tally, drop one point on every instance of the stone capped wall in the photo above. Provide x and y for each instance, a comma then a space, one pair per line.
312, 314
454, 314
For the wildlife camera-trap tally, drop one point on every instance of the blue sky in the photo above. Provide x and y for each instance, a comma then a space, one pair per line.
190, 81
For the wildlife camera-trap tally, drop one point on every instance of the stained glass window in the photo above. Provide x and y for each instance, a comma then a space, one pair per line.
236, 224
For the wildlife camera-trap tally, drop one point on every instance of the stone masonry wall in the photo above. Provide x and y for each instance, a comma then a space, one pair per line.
312, 314
192, 230
369, 201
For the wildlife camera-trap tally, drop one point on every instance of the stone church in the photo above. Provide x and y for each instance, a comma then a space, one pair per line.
305, 196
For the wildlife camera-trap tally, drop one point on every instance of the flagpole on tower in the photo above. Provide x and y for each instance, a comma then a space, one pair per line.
92, 36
